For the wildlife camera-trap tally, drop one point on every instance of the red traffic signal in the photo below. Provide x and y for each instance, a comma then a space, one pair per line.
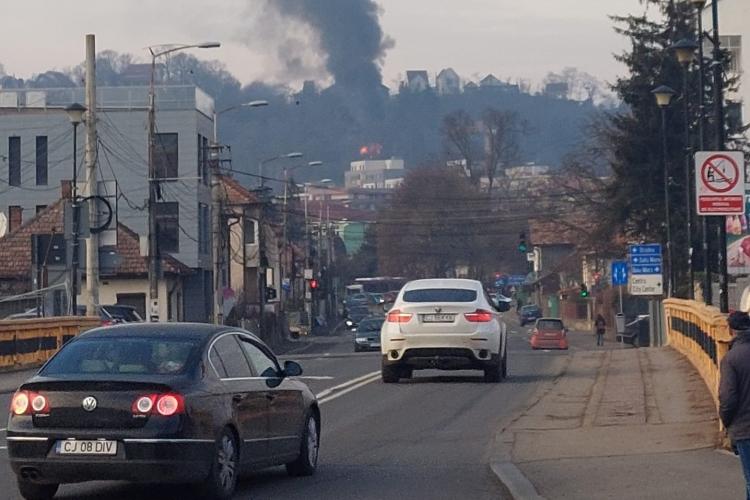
313, 284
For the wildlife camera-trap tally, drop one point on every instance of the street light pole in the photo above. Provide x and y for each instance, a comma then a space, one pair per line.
718, 66
75, 113
685, 51
664, 96
216, 214
705, 221
153, 186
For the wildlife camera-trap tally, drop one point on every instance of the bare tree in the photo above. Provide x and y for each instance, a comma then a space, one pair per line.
502, 130
460, 132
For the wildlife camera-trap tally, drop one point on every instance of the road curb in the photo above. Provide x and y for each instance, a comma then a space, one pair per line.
517, 484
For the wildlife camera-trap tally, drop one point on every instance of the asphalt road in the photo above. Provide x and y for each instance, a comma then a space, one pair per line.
427, 438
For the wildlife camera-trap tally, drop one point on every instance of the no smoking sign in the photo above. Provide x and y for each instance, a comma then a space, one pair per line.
720, 183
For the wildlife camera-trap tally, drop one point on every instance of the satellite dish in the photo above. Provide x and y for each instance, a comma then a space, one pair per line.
3, 224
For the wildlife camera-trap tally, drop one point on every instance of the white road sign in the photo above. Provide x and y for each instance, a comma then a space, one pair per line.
646, 284
720, 182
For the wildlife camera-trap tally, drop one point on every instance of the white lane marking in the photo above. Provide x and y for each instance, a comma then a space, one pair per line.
335, 388
3, 447
314, 377
3, 429
350, 389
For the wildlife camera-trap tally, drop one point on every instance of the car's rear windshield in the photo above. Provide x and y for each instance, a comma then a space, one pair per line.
549, 324
123, 355
530, 308
370, 325
440, 295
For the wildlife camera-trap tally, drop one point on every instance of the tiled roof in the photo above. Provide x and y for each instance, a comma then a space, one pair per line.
133, 264
15, 247
236, 193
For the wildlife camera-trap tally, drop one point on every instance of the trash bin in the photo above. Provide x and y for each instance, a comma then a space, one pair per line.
620, 323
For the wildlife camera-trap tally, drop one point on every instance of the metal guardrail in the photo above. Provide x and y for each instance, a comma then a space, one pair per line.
701, 334
31, 342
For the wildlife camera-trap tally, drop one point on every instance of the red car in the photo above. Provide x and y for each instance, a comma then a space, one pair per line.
549, 333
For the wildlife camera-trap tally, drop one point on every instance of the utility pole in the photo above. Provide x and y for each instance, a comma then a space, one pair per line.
217, 243
91, 186
718, 67
153, 242
262, 262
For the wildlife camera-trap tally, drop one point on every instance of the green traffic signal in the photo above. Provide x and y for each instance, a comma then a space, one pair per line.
522, 247
522, 243
584, 291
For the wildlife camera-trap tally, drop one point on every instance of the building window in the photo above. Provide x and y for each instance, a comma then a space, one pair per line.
15, 217
733, 45
168, 226
14, 161
205, 160
41, 160
249, 231
165, 156
204, 240
40, 208
734, 117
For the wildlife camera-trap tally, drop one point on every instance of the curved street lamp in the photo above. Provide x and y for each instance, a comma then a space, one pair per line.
153, 251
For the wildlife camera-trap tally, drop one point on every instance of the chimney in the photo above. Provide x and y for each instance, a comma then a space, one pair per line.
15, 216
66, 189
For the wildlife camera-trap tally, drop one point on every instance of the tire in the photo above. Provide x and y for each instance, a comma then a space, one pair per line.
493, 374
504, 367
407, 373
222, 479
36, 491
307, 461
357, 348
390, 374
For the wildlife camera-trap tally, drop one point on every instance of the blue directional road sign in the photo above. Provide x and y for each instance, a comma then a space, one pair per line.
619, 273
645, 259
516, 279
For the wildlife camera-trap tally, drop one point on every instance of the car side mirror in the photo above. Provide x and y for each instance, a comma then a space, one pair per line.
292, 369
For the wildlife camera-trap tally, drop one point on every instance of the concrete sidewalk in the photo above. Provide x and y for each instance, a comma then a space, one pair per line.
624, 423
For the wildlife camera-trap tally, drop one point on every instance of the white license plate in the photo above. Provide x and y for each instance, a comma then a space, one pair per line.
86, 447
438, 318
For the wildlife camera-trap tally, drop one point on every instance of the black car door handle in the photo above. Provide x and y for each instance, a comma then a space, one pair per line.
270, 396
238, 398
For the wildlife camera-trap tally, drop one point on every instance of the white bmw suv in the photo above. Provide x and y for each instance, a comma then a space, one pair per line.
448, 324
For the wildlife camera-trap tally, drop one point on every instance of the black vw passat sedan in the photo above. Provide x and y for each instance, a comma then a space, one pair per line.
178, 403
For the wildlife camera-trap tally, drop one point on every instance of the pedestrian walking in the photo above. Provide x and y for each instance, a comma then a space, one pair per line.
734, 391
601, 327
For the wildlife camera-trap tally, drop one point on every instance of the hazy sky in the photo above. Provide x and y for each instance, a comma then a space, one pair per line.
510, 38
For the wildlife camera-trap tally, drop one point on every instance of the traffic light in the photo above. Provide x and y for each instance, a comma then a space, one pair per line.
522, 246
313, 284
584, 290
270, 293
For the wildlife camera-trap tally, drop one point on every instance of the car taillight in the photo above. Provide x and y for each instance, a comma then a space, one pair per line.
479, 316
398, 317
165, 405
28, 403
107, 322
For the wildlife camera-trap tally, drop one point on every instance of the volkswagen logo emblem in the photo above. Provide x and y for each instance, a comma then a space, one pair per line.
438, 310
89, 403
